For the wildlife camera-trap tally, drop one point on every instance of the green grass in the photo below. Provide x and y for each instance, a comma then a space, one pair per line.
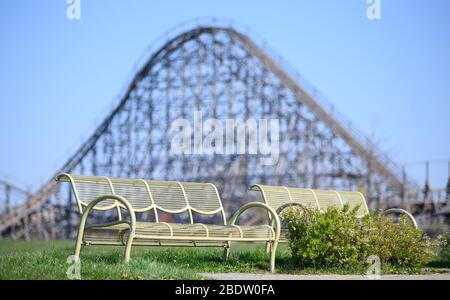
47, 260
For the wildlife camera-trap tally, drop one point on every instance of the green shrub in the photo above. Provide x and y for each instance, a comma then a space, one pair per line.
322, 240
337, 238
398, 244
442, 250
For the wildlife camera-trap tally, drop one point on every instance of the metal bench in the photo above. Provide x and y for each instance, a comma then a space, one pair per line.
132, 196
280, 197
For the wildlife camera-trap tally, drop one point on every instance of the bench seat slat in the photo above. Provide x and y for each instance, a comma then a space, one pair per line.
192, 232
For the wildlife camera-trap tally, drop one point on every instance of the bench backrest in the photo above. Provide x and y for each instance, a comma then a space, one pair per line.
277, 196
171, 197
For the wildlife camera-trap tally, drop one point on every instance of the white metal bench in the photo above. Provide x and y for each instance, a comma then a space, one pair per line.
281, 197
132, 196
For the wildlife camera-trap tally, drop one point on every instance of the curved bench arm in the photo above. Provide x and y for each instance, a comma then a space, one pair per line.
400, 211
270, 210
91, 205
118, 198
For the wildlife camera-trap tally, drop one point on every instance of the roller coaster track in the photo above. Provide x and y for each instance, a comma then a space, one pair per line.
328, 152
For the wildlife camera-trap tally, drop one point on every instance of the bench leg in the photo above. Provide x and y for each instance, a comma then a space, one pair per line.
268, 244
128, 247
267, 247
226, 251
79, 240
273, 250
78, 248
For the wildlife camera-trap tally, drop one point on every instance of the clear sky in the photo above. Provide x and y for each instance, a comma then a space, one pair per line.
390, 77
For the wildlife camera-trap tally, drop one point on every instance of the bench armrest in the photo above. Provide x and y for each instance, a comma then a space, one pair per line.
118, 198
400, 211
270, 210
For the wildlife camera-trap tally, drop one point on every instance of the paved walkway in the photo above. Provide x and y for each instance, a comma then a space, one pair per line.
247, 276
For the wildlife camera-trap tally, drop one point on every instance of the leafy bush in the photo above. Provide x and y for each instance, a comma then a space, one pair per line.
337, 238
442, 250
400, 244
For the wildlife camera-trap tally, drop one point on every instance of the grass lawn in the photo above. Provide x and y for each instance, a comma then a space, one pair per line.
47, 260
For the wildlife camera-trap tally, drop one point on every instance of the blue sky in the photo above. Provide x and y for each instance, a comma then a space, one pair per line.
390, 77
